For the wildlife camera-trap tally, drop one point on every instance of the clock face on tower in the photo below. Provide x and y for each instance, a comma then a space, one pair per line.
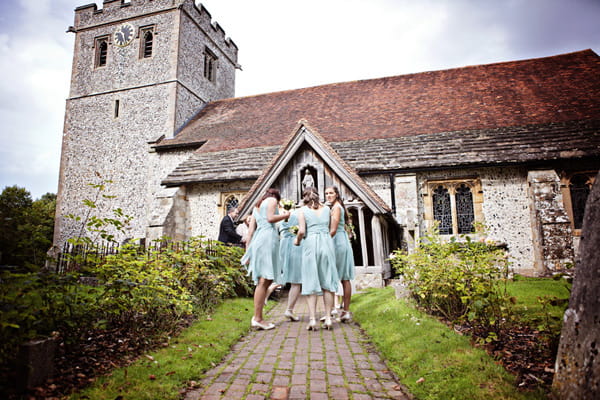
123, 35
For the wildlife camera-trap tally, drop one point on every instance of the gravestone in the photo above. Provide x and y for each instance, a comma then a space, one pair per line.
577, 365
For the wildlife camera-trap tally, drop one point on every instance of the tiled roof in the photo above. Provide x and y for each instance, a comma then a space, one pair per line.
477, 98
498, 146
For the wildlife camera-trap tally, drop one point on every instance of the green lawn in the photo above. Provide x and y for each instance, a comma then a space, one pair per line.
161, 374
432, 360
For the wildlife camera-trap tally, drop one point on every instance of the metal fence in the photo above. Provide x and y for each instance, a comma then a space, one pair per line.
77, 257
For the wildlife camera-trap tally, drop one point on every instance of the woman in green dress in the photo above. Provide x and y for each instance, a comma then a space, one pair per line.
319, 273
262, 251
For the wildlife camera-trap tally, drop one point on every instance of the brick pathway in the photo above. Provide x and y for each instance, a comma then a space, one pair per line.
289, 362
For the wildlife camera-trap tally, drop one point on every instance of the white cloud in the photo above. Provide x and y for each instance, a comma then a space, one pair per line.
282, 45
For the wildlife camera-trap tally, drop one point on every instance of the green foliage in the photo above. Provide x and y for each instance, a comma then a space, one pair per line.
190, 354
36, 304
433, 361
459, 280
146, 292
26, 228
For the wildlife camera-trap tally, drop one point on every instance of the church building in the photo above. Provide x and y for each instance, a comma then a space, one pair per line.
513, 146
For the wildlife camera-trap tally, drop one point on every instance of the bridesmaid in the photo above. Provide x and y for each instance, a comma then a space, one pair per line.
262, 251
319, 273
344, 257
291, 264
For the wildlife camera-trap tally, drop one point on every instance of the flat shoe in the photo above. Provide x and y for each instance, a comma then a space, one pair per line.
263, 326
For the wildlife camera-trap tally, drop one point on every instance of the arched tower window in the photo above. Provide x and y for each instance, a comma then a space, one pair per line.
147, 42
210, 65
101, 51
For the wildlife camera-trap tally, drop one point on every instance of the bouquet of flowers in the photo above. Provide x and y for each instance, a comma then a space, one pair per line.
286, 204
350, 231
294, 229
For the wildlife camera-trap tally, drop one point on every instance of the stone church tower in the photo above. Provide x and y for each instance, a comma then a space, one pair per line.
141, 69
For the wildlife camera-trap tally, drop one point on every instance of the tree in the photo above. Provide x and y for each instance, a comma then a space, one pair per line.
26, 227
577, 363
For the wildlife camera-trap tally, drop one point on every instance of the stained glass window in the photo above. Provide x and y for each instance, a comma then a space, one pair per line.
579, 189
464, 209
442, 210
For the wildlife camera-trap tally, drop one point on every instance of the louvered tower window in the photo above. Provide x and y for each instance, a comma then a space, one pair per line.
101, 51
147, 42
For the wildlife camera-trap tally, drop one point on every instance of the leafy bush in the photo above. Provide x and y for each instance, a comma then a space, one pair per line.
459, 280
38, 304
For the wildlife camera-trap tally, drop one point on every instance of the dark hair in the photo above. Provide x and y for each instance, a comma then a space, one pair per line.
310, 197
339, 200
272, 192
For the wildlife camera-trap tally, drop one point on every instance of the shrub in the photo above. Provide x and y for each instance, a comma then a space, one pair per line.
459, 280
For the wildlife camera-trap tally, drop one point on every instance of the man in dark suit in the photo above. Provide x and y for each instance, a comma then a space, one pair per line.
227, 233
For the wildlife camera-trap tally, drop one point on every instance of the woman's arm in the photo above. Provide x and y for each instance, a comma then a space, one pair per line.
336, 213
271, 208
301, 228
251, 229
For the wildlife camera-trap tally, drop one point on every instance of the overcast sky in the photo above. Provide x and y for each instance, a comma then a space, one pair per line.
283, 44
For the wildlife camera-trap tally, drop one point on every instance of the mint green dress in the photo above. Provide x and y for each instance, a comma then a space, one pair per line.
318, 254
344, 257
290, 255
262, 254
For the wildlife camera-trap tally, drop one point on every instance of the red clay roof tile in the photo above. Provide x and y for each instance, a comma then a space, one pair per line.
537, 91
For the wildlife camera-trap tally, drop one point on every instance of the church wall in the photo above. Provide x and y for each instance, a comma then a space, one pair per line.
116, 148
188, 105
191, 56
204, 201
124, 67
505, 209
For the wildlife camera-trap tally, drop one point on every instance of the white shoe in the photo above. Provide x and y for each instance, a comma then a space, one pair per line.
263, 326
312, 326
289, 314
346, 316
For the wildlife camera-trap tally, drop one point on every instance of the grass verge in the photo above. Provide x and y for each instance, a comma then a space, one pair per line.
161, 374
433, 361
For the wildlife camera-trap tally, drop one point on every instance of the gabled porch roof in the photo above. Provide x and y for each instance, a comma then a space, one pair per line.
304, 133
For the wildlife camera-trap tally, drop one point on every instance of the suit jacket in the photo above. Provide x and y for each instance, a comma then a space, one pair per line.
227, 233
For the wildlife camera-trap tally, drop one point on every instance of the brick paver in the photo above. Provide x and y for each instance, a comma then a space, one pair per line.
289, 362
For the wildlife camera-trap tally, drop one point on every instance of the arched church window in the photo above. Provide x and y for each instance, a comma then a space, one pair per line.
579, 190
228, 200
231, 203
464, 209
454, 204
442, 210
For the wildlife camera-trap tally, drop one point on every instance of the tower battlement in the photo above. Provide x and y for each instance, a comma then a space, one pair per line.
90, 16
